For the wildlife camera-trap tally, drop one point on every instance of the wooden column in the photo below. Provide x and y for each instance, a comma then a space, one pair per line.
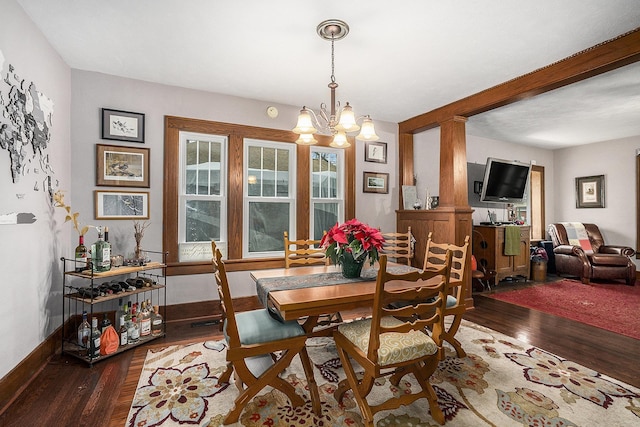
453, 162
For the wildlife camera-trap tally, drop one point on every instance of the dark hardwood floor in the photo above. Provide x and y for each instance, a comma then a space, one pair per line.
69, 393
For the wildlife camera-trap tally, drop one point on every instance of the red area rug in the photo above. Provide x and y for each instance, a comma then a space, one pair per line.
613, 307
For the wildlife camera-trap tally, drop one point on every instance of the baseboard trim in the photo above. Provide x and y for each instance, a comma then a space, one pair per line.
27, 370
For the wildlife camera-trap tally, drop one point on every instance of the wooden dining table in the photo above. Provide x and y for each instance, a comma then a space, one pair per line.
316, 290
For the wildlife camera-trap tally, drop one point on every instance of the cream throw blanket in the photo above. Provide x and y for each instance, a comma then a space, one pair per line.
577, 235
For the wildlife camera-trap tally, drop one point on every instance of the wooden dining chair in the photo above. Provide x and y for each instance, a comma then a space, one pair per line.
252, 338
385, 345
304, 252
308, 252
434, 259
399, 246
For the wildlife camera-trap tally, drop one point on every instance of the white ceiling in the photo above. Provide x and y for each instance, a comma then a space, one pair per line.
400, 59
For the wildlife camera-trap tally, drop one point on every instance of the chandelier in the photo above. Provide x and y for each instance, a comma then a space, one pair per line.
337, 121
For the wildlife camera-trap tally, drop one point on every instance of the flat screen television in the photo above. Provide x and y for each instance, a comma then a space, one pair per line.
504, 181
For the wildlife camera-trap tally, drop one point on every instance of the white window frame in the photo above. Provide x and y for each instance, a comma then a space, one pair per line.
199, 251
291, 199
340, 182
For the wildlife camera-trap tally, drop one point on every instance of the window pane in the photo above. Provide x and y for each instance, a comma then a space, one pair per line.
191, 164
325, 216
324, 170
203, 167
267, 222
282, 177
202, 220
268, 172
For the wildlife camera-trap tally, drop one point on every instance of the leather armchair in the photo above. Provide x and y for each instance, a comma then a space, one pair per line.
608, 262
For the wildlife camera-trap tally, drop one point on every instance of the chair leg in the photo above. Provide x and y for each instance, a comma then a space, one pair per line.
449, 336
311, 381
255, 385
360, 388
423, 375
226, 375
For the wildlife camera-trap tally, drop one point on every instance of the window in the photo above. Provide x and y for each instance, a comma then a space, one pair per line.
202, 200
269, 202
327, 190
222, 200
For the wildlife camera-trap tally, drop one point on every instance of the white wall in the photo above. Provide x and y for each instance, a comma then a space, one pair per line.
617, 162
30, 254
92, 91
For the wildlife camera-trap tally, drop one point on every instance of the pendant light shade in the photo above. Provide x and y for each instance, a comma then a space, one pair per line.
340, 140
347, 120
367, 132
306, 139
305, 125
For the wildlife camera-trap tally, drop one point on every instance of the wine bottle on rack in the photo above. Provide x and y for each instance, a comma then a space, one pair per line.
84, 332
94, 342
145, 320
123, 333
81, 255
133, 333
156, 322
104, 324
101, 253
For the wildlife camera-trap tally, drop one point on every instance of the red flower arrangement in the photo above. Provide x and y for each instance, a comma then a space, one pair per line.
355, 238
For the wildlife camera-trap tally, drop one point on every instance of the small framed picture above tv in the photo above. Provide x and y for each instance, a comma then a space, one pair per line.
505, 181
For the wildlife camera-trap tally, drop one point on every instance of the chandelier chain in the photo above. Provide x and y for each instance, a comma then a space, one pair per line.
333, 77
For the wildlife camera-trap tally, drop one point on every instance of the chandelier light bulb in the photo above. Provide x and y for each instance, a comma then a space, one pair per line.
340, 140
347, 120
306, 139
368, 131
305, 125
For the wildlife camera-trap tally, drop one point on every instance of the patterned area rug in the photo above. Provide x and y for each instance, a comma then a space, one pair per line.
502, 382
591, 304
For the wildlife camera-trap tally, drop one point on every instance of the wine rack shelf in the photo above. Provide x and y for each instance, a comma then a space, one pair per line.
75, 303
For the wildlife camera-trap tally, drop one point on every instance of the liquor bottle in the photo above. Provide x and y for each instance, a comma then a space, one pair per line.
121, 312
81, 255
84, 332
94, 344
101, 253
145, 320
127, 314
156, 322
104, 324
123, 333
106, 234
133, 332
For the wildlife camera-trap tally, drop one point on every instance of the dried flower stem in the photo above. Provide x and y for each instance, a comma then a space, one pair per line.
58, 198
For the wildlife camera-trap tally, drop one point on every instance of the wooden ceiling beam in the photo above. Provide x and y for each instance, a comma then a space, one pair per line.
615, 53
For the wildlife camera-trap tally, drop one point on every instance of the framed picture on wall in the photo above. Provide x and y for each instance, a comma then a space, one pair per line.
590, 191
121, 204
375, 152
122, 125
122, 166
375, 182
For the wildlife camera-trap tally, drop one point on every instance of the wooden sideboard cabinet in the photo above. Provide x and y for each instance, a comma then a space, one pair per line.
488, 248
